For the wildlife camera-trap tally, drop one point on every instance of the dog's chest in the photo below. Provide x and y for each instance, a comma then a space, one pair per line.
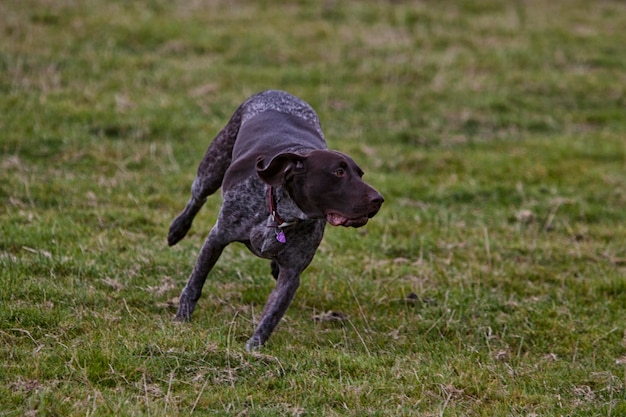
268, 241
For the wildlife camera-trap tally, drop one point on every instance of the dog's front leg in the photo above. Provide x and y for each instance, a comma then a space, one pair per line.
277, 303
209, 254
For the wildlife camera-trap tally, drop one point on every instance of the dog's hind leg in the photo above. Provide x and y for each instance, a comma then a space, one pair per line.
209, 254
209, 177
182, 223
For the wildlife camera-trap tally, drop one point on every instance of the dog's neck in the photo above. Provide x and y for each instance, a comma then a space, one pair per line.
275, 218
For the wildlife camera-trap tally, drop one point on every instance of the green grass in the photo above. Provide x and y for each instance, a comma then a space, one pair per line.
495, 130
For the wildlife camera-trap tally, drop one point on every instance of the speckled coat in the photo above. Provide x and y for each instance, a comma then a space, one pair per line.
267, 139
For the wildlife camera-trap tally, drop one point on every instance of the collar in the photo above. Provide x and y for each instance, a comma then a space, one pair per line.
275, 219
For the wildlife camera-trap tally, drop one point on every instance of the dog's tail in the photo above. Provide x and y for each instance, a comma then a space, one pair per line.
209, 178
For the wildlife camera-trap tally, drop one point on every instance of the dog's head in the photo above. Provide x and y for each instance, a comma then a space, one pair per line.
324, 184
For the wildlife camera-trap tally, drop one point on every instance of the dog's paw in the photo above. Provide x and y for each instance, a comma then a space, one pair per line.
182, 318
185, 309
253, 344
179, 228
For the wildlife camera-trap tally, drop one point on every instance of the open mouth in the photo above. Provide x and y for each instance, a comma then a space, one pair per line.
337, 219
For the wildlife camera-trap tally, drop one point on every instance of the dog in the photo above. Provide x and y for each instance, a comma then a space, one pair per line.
280, 186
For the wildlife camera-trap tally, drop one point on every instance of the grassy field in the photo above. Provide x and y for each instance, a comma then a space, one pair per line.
492, 282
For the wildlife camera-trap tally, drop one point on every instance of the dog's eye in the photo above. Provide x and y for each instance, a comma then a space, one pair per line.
340, 172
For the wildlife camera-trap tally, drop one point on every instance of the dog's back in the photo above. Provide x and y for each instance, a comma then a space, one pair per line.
289, 133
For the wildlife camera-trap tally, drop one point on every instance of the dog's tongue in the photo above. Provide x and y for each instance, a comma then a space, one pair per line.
336, 219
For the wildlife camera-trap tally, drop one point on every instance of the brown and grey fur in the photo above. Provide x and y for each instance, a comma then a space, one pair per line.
273, 139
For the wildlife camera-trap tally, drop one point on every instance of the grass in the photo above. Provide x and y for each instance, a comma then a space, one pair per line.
492, 283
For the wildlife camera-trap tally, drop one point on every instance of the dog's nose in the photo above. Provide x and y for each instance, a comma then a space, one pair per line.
377, 199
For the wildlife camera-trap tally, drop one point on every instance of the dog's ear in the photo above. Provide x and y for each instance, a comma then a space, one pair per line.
281, 168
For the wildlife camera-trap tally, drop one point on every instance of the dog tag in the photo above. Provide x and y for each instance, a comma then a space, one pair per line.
280, 236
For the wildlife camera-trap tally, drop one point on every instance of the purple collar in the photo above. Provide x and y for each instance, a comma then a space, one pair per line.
273, 213
275, 220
